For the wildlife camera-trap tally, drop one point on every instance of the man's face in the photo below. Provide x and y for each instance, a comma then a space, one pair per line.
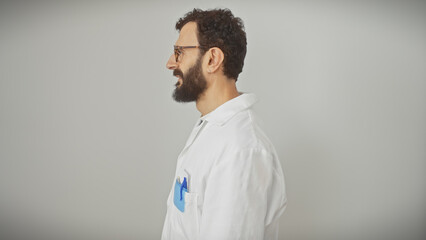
191, 80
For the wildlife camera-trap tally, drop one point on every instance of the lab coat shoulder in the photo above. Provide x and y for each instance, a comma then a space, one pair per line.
240, 131
243, 132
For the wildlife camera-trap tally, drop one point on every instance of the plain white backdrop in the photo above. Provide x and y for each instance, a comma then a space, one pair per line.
89, 133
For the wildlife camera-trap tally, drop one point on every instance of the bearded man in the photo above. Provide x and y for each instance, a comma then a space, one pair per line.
228, 182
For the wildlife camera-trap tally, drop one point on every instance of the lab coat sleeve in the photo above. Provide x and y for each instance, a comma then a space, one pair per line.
236, 196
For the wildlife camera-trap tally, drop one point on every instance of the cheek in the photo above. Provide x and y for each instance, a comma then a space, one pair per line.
183, 69
204, 67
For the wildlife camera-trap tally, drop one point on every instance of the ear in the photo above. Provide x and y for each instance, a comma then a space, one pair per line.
215, 59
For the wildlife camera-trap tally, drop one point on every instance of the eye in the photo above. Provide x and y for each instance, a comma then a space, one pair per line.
178, 53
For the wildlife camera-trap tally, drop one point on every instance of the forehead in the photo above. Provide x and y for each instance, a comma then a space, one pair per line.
188, 35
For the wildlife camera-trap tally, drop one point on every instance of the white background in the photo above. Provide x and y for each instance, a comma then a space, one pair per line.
89, 133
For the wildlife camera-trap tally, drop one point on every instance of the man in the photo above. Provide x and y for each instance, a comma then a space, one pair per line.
228, 183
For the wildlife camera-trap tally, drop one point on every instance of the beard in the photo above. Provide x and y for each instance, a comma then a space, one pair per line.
193, 84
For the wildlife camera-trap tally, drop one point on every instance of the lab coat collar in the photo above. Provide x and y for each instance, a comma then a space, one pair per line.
226, 111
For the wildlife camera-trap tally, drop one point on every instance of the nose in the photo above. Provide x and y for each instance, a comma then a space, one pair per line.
171, 63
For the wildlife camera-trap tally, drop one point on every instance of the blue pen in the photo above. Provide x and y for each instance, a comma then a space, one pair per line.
184, 185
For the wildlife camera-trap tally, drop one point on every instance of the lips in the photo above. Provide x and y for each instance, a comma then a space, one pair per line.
178, 73
179, 81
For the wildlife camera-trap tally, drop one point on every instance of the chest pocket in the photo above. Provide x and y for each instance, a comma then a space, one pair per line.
184, 213
179, 196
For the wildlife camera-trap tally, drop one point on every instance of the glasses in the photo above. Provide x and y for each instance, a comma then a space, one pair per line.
179, 51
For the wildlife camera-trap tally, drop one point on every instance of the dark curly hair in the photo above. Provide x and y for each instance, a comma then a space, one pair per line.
219, 28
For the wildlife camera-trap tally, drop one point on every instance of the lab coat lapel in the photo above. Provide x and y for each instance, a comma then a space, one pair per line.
195, 131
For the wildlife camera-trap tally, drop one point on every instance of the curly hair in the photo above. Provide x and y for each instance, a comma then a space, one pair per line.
219, 28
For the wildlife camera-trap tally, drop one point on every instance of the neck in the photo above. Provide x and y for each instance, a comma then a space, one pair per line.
219, 92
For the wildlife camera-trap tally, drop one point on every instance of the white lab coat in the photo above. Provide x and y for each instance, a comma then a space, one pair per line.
236, 185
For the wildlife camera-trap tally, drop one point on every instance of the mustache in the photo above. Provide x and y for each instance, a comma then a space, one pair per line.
178, 72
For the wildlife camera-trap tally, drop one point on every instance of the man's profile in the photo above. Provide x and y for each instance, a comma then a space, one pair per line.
228, 182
